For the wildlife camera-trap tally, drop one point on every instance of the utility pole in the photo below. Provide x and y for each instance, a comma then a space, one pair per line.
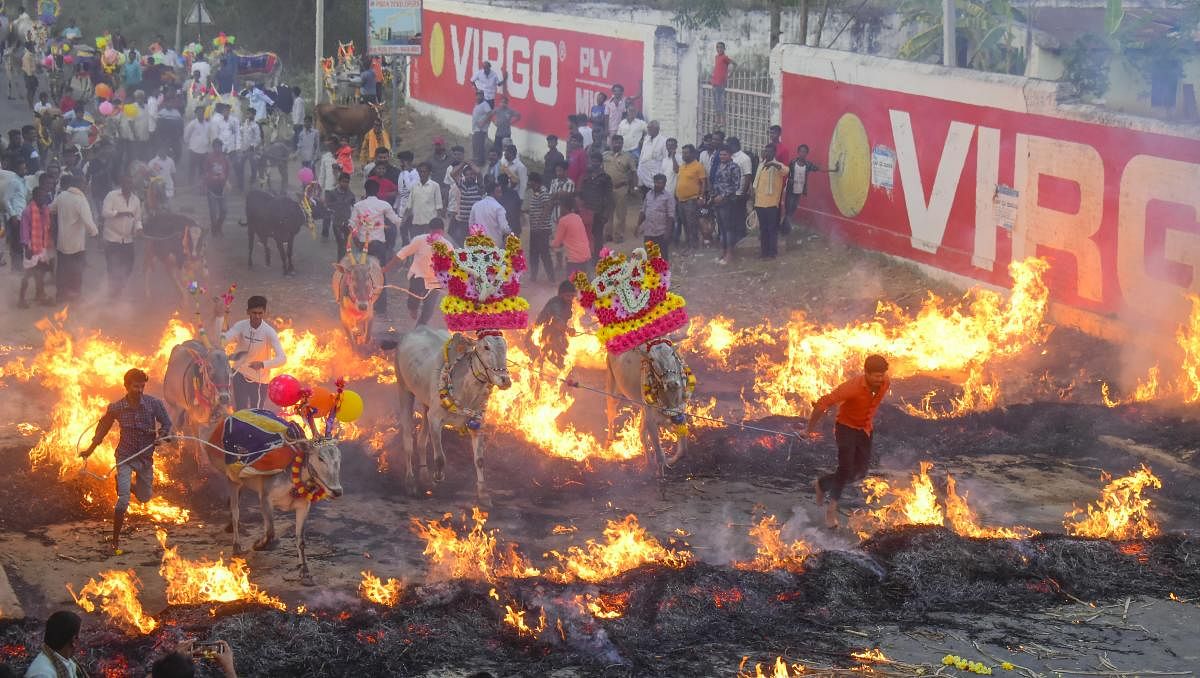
320, 45
178, 26
803, 22
949, 34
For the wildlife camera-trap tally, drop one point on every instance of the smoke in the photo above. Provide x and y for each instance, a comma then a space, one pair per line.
330, 599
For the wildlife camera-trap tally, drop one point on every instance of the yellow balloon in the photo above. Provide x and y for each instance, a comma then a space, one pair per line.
351, 407
131, 110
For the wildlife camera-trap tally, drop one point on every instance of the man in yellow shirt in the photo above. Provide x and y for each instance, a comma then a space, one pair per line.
691, 183
768, 198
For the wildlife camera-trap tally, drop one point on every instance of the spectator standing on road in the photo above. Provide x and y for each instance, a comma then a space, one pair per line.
216, 176
439, 162
540, 227
298, 114
615, 107
595, 192
671, 163
75, 223
598, 116
512, 202
722, 64
577, 158
470, 192
553, 156
797, 184
561, 187
632, 129
424, 202
691, 185
491, 215
504, 117
37, 245
195, 138
651, 156
486, 82
657, 219
308, 144
338, 204
374, 140
622, 169
571, 235
366, 82
769, 183
516, 170
481, 120
122, 213
723, 201
250, 137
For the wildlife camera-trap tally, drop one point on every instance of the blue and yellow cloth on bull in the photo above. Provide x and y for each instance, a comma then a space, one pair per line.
257, 442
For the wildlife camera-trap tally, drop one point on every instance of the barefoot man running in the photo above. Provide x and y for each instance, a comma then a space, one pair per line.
857, 400
143, 422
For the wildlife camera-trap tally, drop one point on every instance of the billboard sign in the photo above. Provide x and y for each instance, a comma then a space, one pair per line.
394, 27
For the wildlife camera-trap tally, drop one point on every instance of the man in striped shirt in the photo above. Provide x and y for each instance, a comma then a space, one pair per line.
538, 203
466, 178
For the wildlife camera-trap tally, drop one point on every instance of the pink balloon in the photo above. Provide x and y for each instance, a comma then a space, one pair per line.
284, 390
68, 59
48, 62
305, 175
106, 108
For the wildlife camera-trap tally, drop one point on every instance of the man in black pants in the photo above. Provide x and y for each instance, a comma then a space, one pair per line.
858, 400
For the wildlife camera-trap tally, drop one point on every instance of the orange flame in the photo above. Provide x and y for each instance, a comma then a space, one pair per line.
117, 592
475, 555
780, 669
1186, 386
772, 552
515, 617
873, 655
603, 606
378, 591
1121, 512
626, 546
918, 505
941, 337
205, 581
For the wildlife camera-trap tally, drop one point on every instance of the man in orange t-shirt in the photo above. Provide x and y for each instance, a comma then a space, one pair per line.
857, 399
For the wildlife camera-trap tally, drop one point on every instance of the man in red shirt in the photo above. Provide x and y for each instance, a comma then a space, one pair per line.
216, 175
857, 399
720, 78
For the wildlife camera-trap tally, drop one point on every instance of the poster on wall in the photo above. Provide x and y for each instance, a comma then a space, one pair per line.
394, 27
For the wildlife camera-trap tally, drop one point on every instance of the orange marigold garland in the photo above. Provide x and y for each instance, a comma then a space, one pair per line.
631, 298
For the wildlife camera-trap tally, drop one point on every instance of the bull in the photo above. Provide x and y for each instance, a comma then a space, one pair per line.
273, 217
350, 121
655, 375
357, 283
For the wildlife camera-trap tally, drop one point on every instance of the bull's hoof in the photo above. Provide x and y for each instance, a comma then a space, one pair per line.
237, 549
306, 579
266, 544
483, 498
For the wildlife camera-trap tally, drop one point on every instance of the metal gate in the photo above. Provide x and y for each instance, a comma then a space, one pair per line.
747, 112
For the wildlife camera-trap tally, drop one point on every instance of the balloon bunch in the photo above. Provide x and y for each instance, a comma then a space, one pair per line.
339, 405
227, 296
221, 40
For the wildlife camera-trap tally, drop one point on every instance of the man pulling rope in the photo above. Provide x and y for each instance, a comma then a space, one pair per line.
144, 421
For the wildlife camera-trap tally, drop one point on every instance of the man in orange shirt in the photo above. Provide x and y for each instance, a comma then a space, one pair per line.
857, 399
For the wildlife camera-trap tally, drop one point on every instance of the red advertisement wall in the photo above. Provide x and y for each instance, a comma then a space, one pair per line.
552, 72
1117, 211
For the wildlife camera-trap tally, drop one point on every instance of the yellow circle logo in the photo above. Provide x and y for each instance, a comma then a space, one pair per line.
850, 153
437, 49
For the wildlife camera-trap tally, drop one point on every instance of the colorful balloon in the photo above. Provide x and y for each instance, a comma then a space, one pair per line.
321, 401
68, 59
103, 91
305, 175
106, 108
48, 62
284, 390
131, 110
351, 407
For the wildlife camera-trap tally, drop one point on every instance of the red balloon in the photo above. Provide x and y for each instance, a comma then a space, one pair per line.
284, 390
321, 401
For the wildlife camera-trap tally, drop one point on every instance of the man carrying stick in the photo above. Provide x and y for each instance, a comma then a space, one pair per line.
857, 399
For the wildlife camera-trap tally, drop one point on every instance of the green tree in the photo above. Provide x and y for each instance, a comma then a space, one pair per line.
986, 26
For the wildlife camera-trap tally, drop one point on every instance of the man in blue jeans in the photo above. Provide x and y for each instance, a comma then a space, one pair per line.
144, 421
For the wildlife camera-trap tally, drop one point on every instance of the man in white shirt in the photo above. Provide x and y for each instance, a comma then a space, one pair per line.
487, 81
422, 279
490, 214
203, 68
367, 228
75, 223
424, 202
653, 152
258, 100
162, 167
671, 163
481, 122
58, 648
12, 203
250, 139
122, 213
297, 115
632, 129
195, 138
511, 165
258, 352
219, 128
746, 165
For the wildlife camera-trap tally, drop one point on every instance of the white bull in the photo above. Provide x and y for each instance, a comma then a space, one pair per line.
655, 375
435, 369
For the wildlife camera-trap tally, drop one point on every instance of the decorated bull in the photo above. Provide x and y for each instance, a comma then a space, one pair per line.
289, 471
197, 385
347, 121
632, 301
357, 283
450, 376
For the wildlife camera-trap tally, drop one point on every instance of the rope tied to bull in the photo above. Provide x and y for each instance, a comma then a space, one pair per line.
175, 436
